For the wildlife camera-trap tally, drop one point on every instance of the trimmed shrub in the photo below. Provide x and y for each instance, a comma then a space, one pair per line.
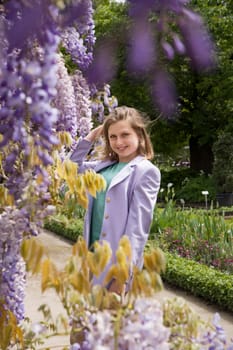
200, 280
70, 229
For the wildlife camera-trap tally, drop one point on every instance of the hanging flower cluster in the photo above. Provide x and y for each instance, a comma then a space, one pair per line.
215, 338
83, 103
73, 102
142, 325
74, 45
138, 327
102, 102
65, 100
12, 265
26, 116
79, 39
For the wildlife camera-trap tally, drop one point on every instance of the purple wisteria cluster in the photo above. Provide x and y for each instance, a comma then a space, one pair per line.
83, 103
64, 100
102, 102
79, 39
12, 265
26, 116
215, 339
139, 327
75, 46
72, 102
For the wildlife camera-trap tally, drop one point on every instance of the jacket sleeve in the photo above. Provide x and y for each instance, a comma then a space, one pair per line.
80, 153
142, 204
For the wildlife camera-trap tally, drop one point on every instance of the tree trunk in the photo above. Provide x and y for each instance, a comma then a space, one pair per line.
201, 155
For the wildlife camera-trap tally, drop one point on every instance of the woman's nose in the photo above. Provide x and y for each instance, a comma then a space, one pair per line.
118, 141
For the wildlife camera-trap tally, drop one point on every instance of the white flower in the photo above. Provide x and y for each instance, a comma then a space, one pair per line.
38, 328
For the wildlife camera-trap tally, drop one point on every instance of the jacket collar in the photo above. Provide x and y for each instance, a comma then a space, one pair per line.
106, 163
125, 172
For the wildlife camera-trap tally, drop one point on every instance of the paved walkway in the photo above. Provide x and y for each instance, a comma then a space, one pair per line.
59, 250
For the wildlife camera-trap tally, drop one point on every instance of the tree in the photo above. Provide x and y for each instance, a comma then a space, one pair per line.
206, 102
205, 99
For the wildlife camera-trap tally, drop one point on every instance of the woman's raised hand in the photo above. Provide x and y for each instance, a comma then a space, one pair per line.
94, 134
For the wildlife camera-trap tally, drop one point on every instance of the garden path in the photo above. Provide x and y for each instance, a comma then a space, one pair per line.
59, 250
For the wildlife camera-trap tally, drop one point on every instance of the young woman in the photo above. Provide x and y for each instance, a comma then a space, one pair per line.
127, 205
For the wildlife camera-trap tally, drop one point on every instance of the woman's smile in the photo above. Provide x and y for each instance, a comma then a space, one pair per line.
123, 140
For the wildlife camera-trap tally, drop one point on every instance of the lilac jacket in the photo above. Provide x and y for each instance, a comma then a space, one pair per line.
129, 203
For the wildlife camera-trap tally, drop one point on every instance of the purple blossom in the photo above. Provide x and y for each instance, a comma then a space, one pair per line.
164, 93
175, 6
75, 346
38, 328
178, 44
75, 11
12, 266
141, 8
144, 325
103, 67
79, 39
98, 109
75, 46
27, 23
168, 50
198, 43
215, 339
102, 103
83, 103
64, 100
141, 53
3, 40
26, 87
141, 326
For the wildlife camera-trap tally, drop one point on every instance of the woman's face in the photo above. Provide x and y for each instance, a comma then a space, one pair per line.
123, 140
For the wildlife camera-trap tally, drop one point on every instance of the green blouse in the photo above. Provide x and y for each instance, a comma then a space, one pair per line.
99, 202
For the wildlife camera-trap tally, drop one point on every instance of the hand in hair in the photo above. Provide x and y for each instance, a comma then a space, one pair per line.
94, 134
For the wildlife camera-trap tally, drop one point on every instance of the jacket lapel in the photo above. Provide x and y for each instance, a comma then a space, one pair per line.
126, 171
104, 164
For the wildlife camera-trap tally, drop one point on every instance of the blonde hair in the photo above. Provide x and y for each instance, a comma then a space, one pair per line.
137, 122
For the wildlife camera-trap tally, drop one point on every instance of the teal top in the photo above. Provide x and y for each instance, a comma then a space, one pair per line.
99, 202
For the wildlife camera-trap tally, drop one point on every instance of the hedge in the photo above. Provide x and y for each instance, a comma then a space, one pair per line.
66, 229
200, 280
